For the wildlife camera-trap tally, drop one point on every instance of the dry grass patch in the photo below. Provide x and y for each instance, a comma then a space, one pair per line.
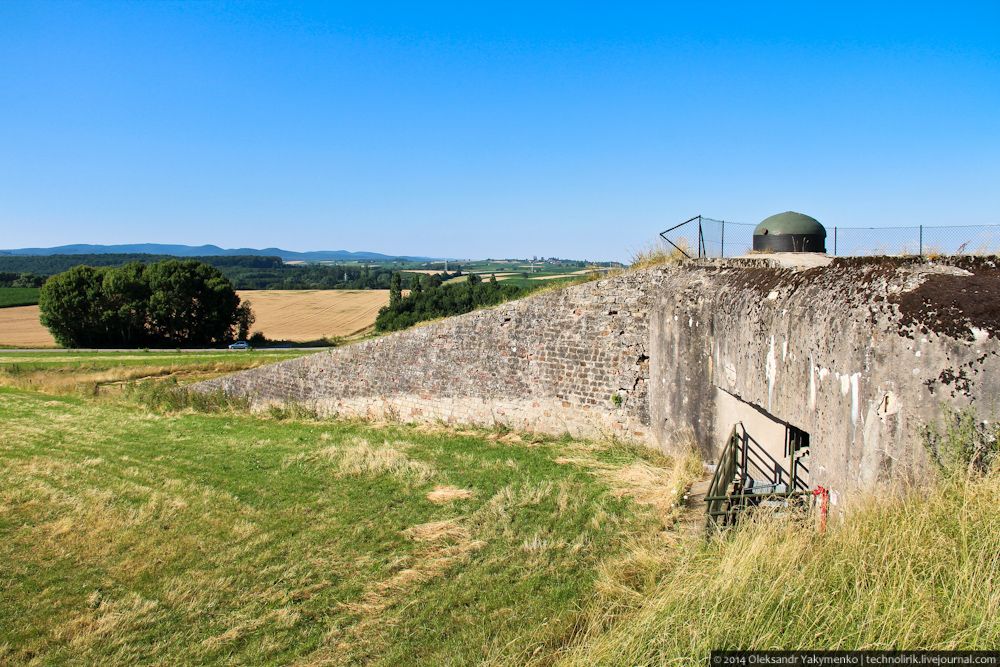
358, 456
660, 483
448, 529
361, 457
659, 253
446, 494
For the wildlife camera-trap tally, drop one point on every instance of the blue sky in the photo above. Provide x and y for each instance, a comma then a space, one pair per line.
475, 129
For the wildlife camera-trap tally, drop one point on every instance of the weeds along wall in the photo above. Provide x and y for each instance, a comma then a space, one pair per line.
863, 354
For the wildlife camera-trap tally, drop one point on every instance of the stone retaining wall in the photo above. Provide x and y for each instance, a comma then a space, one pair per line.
572, 360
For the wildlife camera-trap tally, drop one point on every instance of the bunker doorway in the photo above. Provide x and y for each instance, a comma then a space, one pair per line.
749, 475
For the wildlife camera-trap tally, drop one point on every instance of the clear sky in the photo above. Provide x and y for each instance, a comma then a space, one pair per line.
474, 129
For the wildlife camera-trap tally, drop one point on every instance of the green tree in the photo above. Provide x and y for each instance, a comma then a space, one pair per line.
126, 300
244, 320
395, 289
73, 307
191, 304
177, 303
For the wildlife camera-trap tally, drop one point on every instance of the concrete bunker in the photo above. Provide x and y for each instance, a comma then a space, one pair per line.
858, 353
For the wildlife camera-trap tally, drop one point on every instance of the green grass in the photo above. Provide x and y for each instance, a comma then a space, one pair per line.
18, 296
135, 529
89, 372
136, 536
74, 361
917, 572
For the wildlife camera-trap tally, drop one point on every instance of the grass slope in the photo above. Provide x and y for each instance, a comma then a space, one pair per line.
130, 536
918, 572
18, 296
134, 536
92, 372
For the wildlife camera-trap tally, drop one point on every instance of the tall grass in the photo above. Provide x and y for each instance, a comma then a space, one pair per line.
913, 571
168, 396
658, 253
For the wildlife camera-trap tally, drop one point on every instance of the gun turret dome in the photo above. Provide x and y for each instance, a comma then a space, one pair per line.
789, 232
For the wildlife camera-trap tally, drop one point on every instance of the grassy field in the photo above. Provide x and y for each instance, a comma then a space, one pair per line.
18, 296
131, 535
93, 372
920, 571
134, 534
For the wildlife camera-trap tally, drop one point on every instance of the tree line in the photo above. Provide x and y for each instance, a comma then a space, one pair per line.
244, 271
169, 303
429, 299
9, 279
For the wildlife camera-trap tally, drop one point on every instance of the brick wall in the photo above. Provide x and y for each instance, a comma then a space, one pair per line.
551, 362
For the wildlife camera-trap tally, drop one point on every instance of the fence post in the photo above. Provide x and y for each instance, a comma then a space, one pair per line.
723, 238
834, 241
921, 240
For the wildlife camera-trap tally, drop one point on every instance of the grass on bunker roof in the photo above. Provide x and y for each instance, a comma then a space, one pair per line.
133, 536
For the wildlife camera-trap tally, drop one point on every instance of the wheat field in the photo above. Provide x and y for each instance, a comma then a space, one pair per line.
305, 315
19, 327
294, 315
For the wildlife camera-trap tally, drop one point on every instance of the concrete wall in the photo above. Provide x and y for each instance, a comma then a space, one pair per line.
862, 354
859, 353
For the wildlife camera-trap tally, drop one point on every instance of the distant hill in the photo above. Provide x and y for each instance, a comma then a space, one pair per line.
210, 251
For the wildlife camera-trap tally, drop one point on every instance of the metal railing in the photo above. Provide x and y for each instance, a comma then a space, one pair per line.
748, 475
701, 236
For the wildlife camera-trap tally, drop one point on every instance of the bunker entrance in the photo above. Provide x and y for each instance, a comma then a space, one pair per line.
751, 474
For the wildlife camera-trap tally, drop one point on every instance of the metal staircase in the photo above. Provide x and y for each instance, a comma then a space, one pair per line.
747, 476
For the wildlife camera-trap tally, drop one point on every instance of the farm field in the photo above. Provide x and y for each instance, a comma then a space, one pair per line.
19, 327
292, 315
312, 315
18, 296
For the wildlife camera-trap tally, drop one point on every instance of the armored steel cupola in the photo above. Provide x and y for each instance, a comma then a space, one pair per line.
789, 232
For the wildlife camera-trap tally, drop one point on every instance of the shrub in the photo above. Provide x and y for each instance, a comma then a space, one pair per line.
436, 300
963, 445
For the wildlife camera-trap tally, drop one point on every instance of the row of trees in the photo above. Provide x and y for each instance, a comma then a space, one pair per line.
49, 265
244, 271
429, 299
9, 279
171, 303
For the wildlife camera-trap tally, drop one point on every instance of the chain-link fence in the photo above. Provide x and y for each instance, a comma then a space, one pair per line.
708, 237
